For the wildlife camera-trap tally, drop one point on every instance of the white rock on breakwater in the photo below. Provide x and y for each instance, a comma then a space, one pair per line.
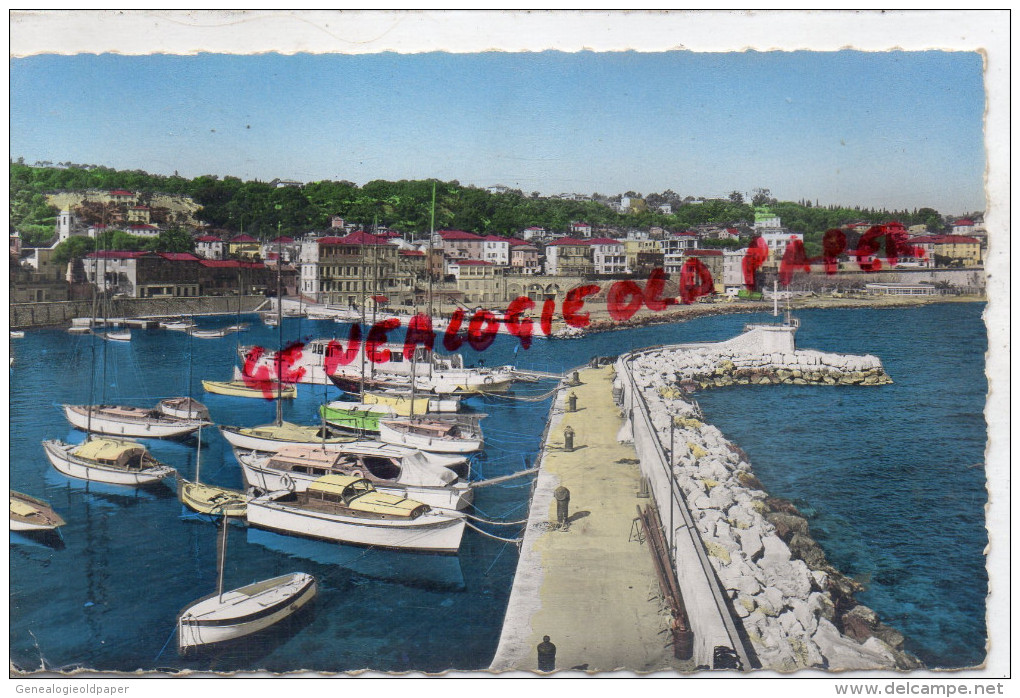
787, 609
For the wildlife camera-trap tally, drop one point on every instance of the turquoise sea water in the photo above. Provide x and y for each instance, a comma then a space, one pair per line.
890, 476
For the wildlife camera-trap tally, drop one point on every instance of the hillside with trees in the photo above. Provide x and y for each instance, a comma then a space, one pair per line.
261, 209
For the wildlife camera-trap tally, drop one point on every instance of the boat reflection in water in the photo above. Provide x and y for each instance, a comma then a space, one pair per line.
439, 572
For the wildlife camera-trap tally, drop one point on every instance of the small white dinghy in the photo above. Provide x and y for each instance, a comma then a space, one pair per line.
115, 335
234, 614
183, 408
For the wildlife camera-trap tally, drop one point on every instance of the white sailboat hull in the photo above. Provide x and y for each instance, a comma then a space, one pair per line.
239, 612
248, 442
432, 532
422, 442
142, 428
454, 497
61, 457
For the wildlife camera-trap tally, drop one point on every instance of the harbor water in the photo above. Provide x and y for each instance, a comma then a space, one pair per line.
891, 478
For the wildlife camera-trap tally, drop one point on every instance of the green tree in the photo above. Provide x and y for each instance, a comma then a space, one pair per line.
74, 247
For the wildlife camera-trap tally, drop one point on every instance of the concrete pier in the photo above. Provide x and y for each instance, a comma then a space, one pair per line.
591, 588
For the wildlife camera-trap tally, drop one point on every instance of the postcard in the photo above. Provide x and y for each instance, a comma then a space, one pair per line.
508, 344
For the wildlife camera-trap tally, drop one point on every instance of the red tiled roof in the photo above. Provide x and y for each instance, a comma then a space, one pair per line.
496, 238
567, 241
688, 234
517, 241
605, 241
243, 238
458, 235
142, 226
963, 221
944, 239
283, 240
703, 253
139, 208
535, 227
121, 192
230, 263
578, 224
116, 254
472, 263
411, 253
178, 256
208, 238
732, 230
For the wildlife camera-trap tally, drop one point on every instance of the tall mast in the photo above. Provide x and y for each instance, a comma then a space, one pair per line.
279, 327
223, 558
428, 259
198, 455
362, 274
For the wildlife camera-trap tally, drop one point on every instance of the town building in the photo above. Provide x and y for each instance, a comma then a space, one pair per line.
533, 232
777, 242
733, 270
674, 247
459, 244
643, 254
35, 277
496, 250
139, 214
608, 256
713, 261
524, 259
209, 247
352, 268
243, 247
901, 289
949, 250
580, 228
173, 274
963, 226
765, 220
479, 282
568, 257
284, 246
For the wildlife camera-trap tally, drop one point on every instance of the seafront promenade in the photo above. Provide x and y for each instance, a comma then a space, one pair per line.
592, 588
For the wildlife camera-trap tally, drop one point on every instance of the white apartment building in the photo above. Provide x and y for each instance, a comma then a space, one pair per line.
496, 250
308, 268
674, 248
608, 256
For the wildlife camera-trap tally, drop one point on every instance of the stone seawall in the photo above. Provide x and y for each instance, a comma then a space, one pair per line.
797, 611
46, 314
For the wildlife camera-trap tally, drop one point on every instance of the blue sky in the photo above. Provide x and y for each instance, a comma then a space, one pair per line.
893, 129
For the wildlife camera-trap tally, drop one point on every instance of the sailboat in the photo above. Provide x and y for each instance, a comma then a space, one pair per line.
115, 335
181, 324
225, 616
130, 422
433, 434
110, 461
31, 514
185, 407
279, 433
348, 509
247, 386
208, 499
393, 470
106, 460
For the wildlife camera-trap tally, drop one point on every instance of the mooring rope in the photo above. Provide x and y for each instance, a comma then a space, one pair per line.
504, 478
495, 523
172, 632
521, 398
490, 535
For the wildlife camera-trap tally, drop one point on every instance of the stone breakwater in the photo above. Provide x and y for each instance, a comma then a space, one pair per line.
718, 367
796, 609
